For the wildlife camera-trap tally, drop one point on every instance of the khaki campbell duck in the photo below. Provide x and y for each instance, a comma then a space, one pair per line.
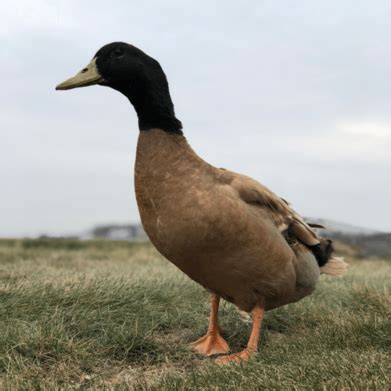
226, 231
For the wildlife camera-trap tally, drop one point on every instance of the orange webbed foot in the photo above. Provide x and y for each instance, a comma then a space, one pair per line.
237, 358
252, 345
210, 344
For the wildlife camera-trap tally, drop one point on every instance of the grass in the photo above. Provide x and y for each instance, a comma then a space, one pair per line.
95, 315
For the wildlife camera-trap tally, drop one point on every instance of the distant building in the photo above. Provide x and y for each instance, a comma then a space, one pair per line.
132, 232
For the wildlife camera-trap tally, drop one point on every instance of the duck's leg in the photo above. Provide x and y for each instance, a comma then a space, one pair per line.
252, 345
212, 342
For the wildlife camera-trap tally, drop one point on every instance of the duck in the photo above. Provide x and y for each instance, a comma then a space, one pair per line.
224, 230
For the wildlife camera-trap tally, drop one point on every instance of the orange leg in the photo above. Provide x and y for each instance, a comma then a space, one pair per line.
212, 342
252, 345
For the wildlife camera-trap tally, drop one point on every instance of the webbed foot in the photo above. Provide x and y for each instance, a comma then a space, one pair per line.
210, 344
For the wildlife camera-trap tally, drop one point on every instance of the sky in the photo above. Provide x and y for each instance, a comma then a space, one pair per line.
295, 94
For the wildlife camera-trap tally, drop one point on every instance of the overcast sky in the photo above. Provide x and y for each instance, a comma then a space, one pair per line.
296, 94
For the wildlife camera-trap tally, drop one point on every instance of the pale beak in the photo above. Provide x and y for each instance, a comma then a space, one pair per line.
88, 76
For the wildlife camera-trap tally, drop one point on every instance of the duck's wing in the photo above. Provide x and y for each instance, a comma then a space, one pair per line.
277, 209
291, 225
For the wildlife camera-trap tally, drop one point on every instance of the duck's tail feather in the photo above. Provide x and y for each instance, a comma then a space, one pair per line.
335, 266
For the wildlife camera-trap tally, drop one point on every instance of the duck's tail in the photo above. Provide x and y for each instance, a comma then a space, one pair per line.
333, 266
322, 249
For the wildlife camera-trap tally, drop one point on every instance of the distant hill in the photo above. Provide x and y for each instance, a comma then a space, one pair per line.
353, 240
378, 245
342, 228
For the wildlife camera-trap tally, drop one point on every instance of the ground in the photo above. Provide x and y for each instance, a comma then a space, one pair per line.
95, 315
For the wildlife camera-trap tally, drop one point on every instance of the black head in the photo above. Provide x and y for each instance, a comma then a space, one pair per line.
122, 65
138, 76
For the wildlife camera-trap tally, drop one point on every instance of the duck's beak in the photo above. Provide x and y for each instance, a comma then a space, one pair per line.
88, 76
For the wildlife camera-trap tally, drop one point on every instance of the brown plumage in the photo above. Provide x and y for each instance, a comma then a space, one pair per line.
224, 230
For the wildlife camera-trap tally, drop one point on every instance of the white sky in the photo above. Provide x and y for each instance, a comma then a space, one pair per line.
294, 94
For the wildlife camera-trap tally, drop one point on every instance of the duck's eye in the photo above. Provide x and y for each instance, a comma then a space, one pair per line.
117, 52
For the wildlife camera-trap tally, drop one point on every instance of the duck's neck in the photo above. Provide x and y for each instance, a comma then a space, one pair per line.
151, 99
159, 151
165, 162
155, 110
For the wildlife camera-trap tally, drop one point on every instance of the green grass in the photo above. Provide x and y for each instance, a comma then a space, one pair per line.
96, 315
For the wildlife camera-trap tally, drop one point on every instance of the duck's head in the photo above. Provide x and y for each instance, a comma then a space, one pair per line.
138, 76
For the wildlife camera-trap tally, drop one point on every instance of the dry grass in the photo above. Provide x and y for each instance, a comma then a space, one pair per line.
96, 315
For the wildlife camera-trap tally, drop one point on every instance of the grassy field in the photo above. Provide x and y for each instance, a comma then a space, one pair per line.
95, 315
